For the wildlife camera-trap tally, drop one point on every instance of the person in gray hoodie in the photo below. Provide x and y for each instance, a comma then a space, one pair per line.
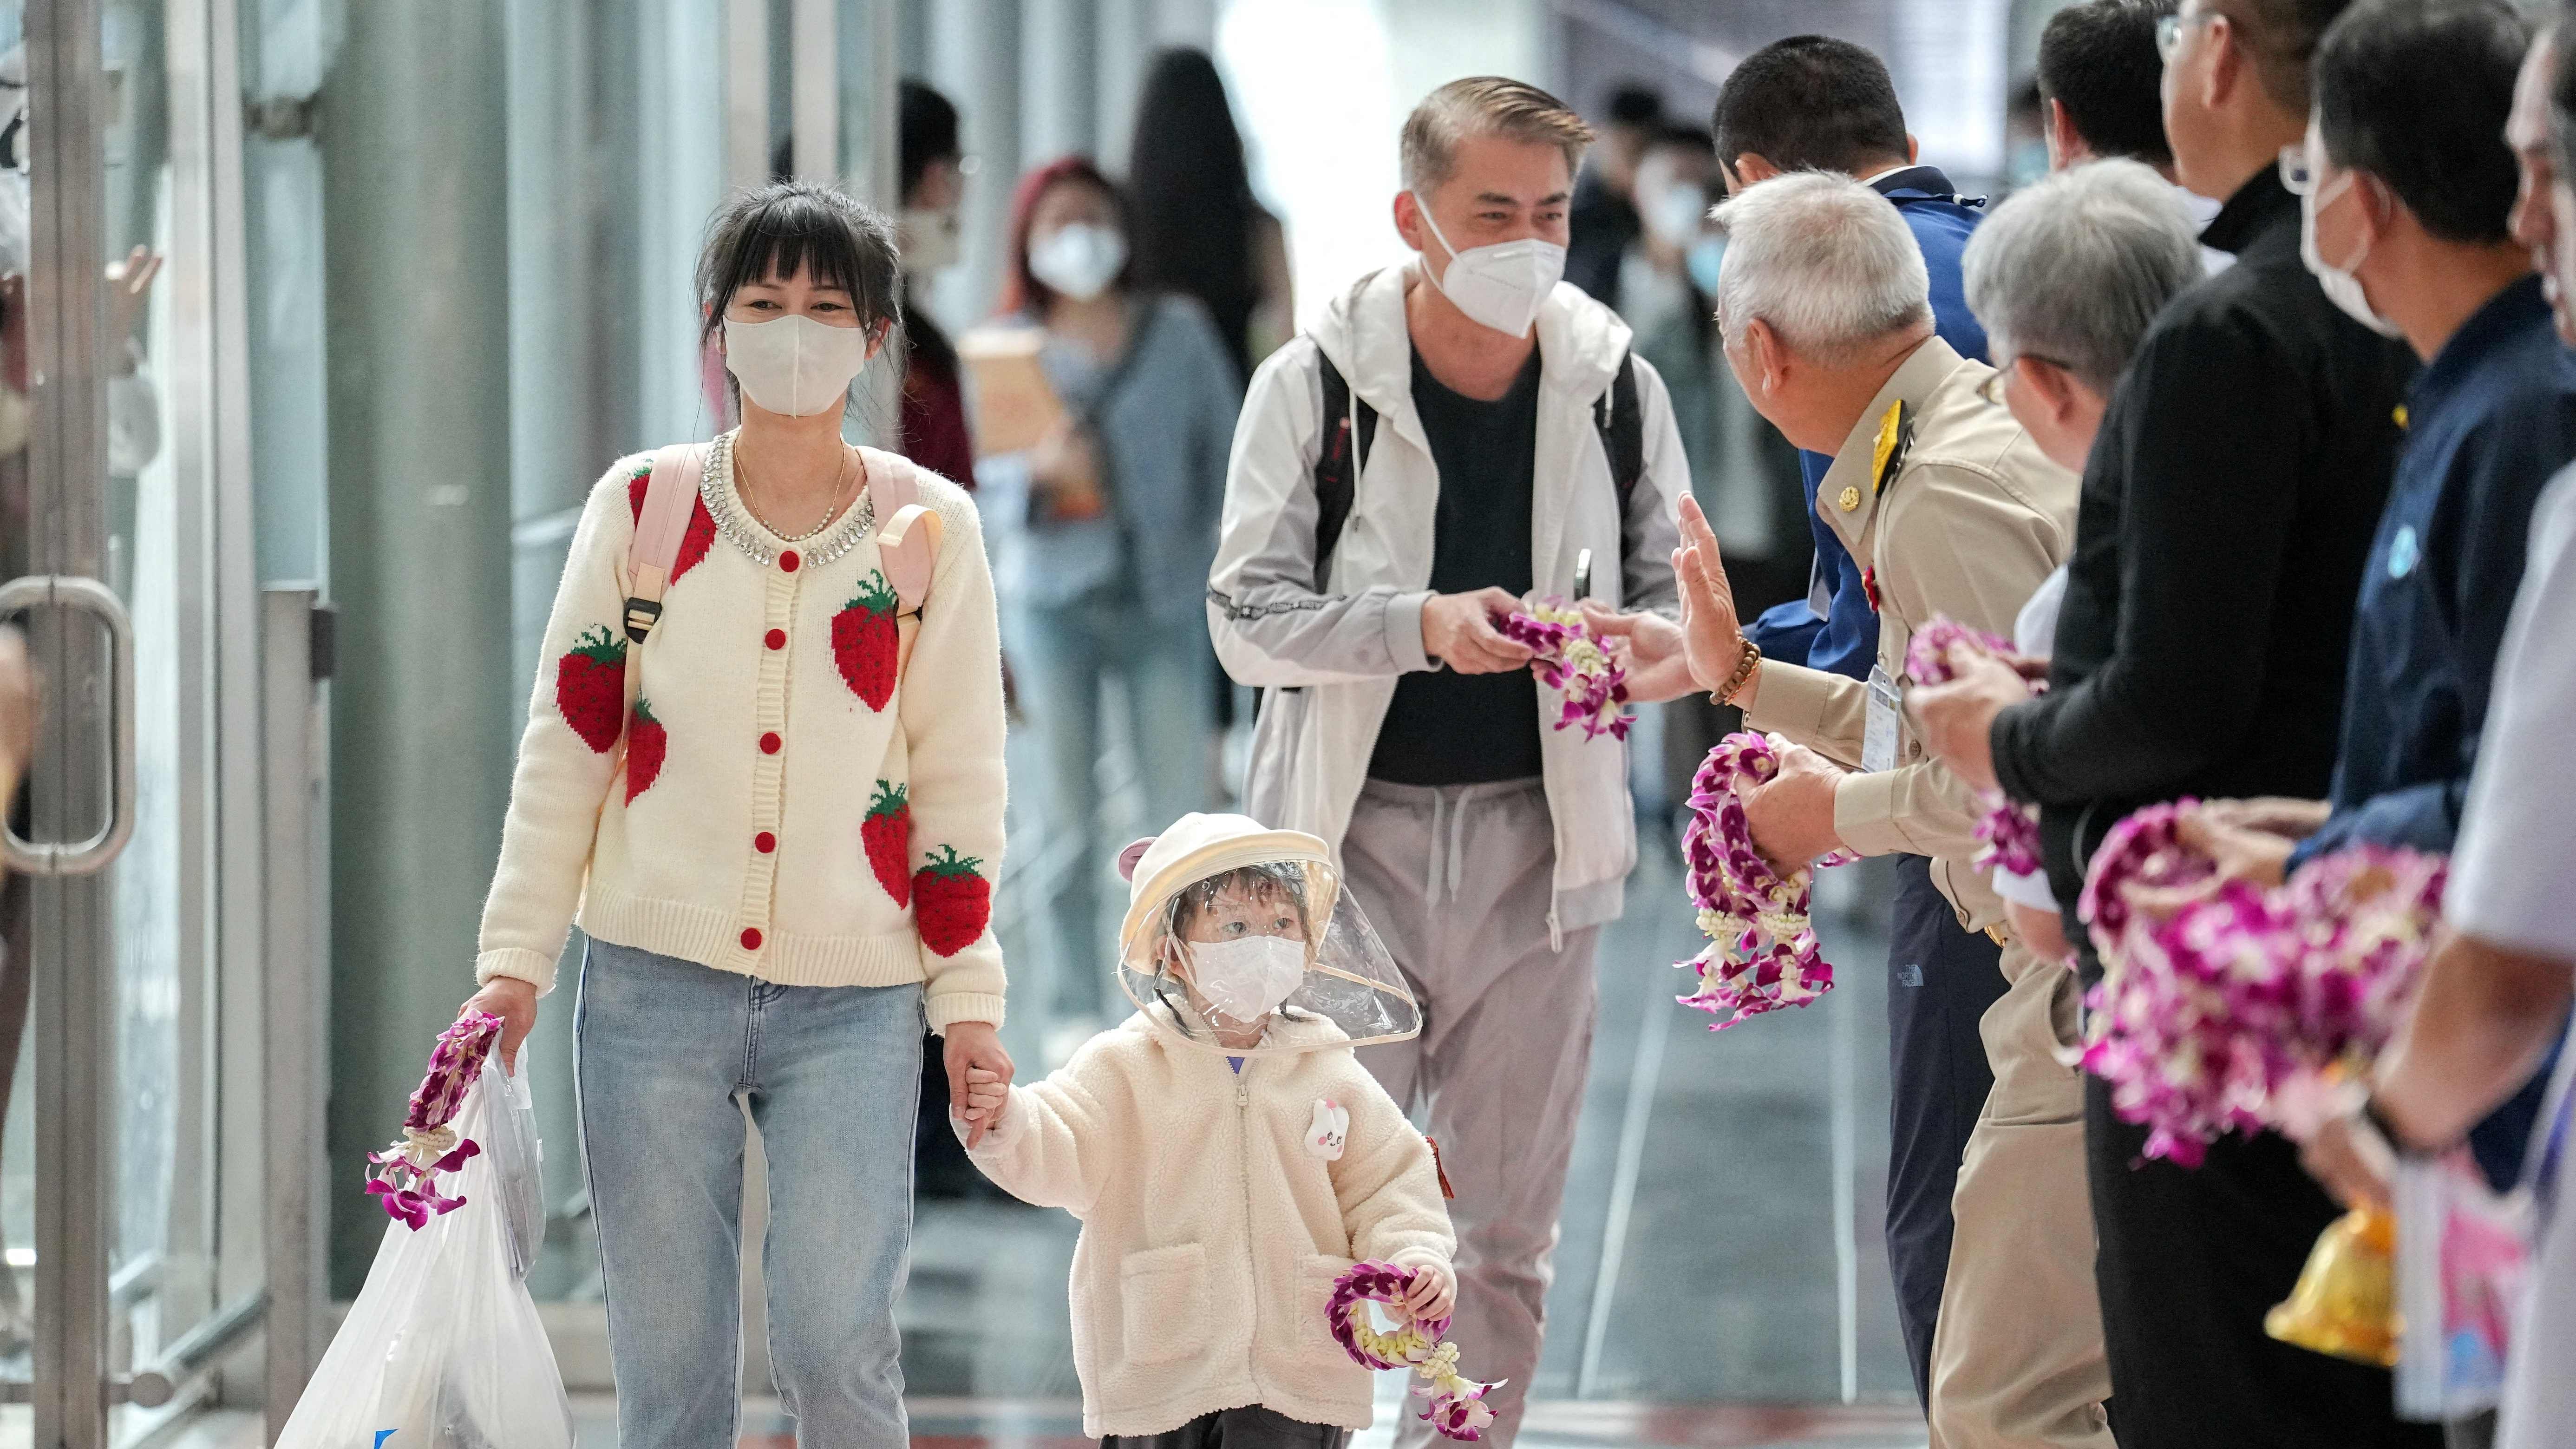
1456, 435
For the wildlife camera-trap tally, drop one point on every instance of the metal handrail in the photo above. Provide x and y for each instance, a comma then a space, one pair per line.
195, 1354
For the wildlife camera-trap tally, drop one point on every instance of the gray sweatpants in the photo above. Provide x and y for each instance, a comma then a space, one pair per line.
1457, 881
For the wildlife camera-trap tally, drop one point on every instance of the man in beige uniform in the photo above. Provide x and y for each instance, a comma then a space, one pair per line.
1951, 510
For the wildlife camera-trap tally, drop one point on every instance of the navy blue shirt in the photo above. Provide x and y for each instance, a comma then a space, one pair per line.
2488, 423
1845, 640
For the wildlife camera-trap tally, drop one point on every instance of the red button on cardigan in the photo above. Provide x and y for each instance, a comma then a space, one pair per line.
789, 561
750, 938
764, 842
777, 639
770, 742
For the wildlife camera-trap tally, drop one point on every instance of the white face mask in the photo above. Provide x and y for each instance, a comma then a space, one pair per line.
1499, 286
930, 241
2342, 287
1674, 213
1245, 980
795, 365
1079, 260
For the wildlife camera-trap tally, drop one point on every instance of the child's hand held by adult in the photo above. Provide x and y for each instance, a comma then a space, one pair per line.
975, 1047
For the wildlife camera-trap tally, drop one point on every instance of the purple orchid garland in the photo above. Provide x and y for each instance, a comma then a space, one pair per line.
408, 1185
1762, 953
2008, 836
2240, 1007
1458, 1409
1570, 658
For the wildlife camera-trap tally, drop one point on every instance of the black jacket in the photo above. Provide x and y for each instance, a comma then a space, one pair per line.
2228, 506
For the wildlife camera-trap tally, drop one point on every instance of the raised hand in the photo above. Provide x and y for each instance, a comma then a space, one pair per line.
1712, 633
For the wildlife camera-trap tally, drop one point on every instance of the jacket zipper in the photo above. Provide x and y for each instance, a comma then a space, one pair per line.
1243, 1179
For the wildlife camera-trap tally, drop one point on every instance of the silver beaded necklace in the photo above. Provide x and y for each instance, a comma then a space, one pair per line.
716, 490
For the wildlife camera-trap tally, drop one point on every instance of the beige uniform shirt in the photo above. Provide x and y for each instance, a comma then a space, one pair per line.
1961, 515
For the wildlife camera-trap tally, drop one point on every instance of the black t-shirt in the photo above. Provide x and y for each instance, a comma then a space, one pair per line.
1445, 728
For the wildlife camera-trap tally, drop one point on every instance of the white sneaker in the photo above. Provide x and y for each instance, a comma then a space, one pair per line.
1066, 1037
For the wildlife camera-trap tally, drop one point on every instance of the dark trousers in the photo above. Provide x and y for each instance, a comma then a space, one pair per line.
1940, 980
1252, 1428
2189, 1262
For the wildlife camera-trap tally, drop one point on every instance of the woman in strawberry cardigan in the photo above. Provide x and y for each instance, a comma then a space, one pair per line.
779, 843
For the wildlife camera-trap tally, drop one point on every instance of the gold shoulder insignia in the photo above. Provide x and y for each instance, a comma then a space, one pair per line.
1895, 438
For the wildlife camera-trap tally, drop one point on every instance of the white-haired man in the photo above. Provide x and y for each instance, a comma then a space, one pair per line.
1456, 434
1951, 509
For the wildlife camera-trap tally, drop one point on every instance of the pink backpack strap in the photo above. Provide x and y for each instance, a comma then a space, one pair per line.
669, 493
908, 530
908, 538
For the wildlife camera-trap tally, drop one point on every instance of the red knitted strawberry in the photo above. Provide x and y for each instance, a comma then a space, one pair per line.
864, 642
590, 687
887, 834
646, 743
950, 901
695, 540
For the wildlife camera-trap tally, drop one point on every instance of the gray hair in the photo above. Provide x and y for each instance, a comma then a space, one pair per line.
1484, 105
2073, 269
1823, 259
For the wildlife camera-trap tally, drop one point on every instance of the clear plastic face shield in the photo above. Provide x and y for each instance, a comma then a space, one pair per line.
1252, 947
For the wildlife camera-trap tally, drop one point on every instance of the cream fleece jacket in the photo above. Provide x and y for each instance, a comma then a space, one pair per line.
783, 806
1211, 1234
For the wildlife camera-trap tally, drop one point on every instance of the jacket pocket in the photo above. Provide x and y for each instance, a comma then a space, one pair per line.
1312, 1333
1163, 1301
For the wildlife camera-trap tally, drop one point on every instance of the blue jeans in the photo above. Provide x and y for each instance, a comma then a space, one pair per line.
831, 1074
1059, 656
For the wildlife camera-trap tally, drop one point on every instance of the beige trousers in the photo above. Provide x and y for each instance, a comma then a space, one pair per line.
2017, 1357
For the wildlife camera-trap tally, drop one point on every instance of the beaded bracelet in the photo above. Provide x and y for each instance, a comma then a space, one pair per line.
1745, 663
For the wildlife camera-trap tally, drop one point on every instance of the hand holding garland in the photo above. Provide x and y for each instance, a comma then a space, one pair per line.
1938, 653
2235, 1012
1572, 658
408, 1186
1422, 1296
1762, 953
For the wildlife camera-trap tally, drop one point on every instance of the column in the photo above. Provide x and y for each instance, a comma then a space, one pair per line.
1058, 107
417, 326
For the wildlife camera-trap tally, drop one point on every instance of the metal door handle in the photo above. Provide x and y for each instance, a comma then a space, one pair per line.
99, 602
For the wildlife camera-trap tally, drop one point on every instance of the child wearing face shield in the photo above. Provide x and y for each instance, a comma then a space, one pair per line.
1227, 1154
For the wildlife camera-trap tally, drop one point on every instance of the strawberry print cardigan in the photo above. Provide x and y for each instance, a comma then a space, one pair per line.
779, 803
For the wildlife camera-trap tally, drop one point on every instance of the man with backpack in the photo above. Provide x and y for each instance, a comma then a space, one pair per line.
1456, 435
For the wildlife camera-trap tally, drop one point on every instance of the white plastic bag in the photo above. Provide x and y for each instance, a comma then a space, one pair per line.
518, 1161
443, 1349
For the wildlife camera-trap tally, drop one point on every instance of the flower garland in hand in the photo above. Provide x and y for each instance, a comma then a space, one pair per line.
1762, 953
1458, 1409
2008, 836
408, 1186
1571, 659
2234, 1011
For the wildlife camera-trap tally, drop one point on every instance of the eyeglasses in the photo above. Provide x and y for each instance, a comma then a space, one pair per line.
2298, 177
1991, 391
2169, 33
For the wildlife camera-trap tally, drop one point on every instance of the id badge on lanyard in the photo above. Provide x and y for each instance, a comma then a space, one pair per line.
1878, 739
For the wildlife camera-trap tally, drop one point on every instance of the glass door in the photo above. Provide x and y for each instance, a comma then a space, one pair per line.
130, 990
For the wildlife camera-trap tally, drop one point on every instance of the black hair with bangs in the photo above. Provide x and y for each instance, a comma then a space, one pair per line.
790, 226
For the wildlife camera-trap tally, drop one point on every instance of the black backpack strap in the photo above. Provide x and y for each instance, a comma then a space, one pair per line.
1338, 462
1623, 431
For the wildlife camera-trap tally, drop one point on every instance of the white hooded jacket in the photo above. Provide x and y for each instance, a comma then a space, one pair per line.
1329, 650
